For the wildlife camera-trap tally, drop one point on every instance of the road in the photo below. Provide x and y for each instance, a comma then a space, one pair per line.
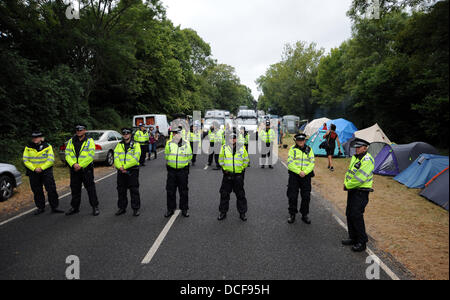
200, 247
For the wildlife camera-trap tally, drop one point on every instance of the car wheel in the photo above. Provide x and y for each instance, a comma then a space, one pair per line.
110, 158
6, 187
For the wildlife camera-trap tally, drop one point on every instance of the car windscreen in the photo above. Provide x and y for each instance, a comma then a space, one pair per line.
247, 121
94, 135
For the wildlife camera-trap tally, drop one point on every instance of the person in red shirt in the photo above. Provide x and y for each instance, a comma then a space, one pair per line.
325, 126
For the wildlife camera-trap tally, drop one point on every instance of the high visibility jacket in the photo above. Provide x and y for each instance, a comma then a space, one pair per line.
141, 137
233, 163
360, 173
42, 158
243, 139
217, 136
195, 137
127, 159
86, 155
299, 160
267, 136
178, 157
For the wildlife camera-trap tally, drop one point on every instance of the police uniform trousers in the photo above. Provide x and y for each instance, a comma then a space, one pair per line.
194, 155
233, 183
296, 183
125, 182
144, 151
177, 179
85, 177
357, 201
46, 179
266, 154
214, 153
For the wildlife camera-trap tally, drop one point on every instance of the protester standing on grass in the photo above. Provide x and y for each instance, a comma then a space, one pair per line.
126, 160
301, 164
332, 137
358, 184
38, 158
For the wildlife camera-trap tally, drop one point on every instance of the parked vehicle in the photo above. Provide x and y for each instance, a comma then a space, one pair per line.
10, 178
212, 116
249, 119
153, 120
105, 143
291, 123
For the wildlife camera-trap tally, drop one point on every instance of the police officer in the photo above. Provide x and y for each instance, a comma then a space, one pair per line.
178, 155
215, 142
358, 184
142, 137
267, 137
126, 160
38, 158
195, 139
233, 159
80, 153
301, 164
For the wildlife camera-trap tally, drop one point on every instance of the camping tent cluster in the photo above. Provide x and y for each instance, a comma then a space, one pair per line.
416, 165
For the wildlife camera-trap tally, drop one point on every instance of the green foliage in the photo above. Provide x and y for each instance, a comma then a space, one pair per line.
121, 58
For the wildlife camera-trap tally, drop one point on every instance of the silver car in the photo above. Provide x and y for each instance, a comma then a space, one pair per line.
10, 178
105, 143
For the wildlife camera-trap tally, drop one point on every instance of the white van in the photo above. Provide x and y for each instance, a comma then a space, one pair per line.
153, 120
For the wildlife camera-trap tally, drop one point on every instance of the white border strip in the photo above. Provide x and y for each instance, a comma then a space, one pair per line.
147, 259
385, 268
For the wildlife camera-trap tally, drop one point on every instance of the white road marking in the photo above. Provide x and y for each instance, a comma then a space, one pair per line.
160, 239
385, 268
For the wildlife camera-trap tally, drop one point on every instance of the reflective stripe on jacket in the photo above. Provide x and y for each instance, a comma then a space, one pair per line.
178, 157
233, 163
360, 172
141, 137
267, 136
43, 159
127, 159
86, 156
299, 161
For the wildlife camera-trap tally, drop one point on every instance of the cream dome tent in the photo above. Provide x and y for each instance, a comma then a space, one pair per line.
373, 134
315, 125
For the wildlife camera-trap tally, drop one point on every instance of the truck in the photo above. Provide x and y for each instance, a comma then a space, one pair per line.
249, 119
154, 120
212, 116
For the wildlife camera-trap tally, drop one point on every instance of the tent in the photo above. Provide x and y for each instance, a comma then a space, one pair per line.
345, 129
317, 139
422, 170
394, 159
436, 189
349, 151
373, 134
315, 125
376, 148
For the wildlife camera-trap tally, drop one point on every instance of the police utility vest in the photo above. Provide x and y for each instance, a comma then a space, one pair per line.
38, 156
243, 139
267, 136
233, 163
360, 173
127, 158
86, 156
301, 161
178, 157
141, 137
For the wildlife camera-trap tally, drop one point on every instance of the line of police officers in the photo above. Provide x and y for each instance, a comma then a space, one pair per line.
232, 158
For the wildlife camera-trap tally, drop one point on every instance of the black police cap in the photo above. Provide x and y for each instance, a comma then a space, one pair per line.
126, 131
36, 134
300, 137
359, 143
80, 126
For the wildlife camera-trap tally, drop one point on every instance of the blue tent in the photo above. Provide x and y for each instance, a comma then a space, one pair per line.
422, 170
345, 129
317, 139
